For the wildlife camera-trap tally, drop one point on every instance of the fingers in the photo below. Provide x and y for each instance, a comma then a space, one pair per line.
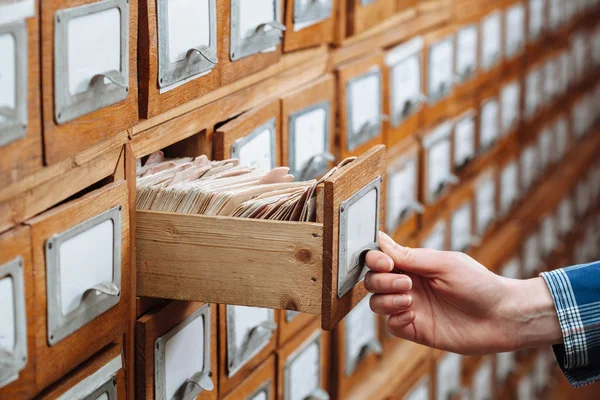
379, 262
381, 282
387, 304
425, 262
397, 322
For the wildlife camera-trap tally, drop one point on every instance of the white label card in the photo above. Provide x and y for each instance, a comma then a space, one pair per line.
8, 316
448, 376
8, 72
536, 18
491, 42
509, 186
189, 26
466, 51
184, 356
401, 192
406, 85
486, 206
437, 237
365, 101
464, 140
441, 68
461, 228
533, 84
94, 43
254, 13
526, 389
310, 137
305, 373
438, 167
549, 236
510, 106
489, 124
257, 152
360, 329
545, 149
482, 382
362, 221
515, 29
85, 260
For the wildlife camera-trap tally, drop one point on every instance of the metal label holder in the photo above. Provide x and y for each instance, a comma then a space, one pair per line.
109, 388
93, 304
254, 341
372, 346
102, 381
265, 36
444, 88
465, 74
11, 363
414, 206
357, 135
236, 147
265, 389
350, 277
199, 381
15, 125
318, 392
200, 59
411, 105
99, 94
315, 10
319, 163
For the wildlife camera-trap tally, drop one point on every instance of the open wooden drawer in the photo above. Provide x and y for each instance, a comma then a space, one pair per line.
315, 268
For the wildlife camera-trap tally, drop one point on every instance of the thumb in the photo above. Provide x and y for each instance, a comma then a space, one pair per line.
425, 262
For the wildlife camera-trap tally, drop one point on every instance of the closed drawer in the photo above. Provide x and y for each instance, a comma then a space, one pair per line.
89, 78
177, 352
439, 74
20, 130
247, 336
403, 209
308, 129
178, 43
357, 16
100, 377
357, 347
466, 59
303, 365
17, 329
360, 112
308, 24
314, 268
404, 92
259, 385
461, 210
253, 137
252, 37
81, 260
290, 323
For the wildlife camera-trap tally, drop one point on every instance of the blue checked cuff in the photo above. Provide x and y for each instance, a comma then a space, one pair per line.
576, 294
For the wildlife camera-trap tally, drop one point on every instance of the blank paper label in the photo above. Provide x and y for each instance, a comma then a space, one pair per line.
245, 319
515, 29
310, 137
8, 72
536, 18
365, 96
406, 84
466, 50
362, 225
94, 47
7, 315
438, 166
441, 66
486, 208
531, 254
464, 140
189, 26
401, 192
257, 152
491, 40
305, 373
505, 363
482, 382
510, 109
253, 13
509, 185
184, 356
85, 260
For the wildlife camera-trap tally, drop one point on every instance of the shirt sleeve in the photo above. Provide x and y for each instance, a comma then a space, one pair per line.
576, 294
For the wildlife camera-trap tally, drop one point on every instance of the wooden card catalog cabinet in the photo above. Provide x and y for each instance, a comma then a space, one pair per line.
100, 377
20, 131
308, 23
177, 352
308, 129
465, 137
360, 96
437, 176
489, 121
448, 381
466, 59
482, 385
252, 37
490, 49
536, 22
289, 323
510, 105
439, 74
17, 329
178, 52
357, 347
357, 16
81, 262
303, 365
461, 216
247, 336
259, 385
253, 137
89, 74
402, 194
314, 268
404, 98
514, 30
484, 190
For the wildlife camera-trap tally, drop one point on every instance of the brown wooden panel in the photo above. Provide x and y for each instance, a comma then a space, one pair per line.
262, 377
313, 35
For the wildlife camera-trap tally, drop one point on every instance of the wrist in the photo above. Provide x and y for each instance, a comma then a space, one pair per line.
532, 314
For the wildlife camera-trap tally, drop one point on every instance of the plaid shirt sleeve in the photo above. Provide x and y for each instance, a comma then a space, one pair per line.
576, 294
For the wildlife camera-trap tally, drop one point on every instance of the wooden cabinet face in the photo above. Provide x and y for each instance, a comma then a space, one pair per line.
308, 23
259, 385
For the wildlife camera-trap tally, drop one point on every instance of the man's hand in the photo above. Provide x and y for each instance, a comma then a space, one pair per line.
449, 301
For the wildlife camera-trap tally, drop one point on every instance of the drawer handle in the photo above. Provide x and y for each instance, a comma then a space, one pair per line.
318, 394
370, 127
107, 288
6, 112
417, 207
203, 51
115, 77
315, 164
276, 25
373, 346
195, 385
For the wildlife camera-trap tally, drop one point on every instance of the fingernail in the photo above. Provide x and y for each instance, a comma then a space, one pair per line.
402, 284
403, 301
384, 264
